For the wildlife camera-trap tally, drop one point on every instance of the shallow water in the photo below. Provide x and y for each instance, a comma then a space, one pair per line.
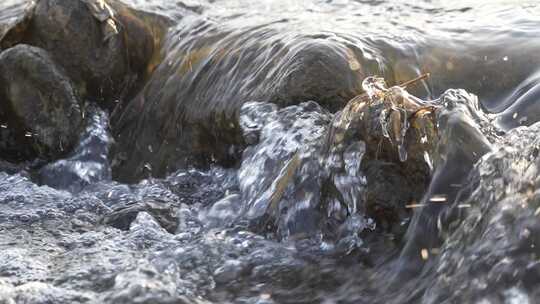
223, 54
222, 186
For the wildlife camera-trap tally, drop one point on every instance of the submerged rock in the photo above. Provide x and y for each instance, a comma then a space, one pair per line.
41, 109
188, 112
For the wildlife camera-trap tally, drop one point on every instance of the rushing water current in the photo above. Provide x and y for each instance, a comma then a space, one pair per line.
239, 172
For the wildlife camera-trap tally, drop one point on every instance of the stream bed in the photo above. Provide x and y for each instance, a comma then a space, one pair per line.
235, 173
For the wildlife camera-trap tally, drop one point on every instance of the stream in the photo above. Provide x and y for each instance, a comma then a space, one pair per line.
236, 174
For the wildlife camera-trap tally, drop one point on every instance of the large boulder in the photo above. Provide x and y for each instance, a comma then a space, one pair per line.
40, 111
188, 112
103, 46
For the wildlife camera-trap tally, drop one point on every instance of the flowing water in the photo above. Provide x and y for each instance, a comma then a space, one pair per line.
240, 174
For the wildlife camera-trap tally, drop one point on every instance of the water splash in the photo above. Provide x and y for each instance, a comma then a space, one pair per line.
89, 162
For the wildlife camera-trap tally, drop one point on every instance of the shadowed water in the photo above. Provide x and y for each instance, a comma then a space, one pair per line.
242, 173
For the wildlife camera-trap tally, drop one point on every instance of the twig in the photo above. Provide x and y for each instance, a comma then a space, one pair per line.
409, 82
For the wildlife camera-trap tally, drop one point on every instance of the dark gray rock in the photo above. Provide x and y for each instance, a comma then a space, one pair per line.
41, 109
122, 217
74, 37
104, 49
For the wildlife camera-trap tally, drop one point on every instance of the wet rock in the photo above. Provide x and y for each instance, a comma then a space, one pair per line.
491, 232
188, 113
14, 21
104, 48
388, 208
41, 107
10, 168
123, 217
319, 70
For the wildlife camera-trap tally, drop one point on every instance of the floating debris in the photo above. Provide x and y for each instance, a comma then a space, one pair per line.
414, 80
397, 112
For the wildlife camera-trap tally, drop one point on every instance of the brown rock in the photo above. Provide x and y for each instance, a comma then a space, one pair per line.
41, 109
